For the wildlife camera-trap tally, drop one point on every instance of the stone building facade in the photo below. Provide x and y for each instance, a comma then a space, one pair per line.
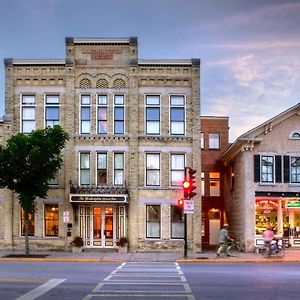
133, 126
262, 181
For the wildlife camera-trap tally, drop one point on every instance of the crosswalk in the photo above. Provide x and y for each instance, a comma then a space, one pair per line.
140, 280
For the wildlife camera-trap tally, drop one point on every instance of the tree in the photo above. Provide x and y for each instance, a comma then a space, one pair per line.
27, 163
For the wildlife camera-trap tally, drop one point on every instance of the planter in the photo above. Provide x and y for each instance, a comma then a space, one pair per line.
123, 249
77, 249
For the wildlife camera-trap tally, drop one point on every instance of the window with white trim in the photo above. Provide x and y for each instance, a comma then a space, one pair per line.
84, 168
295, 169
102, 114
101, 168
177, 222
28, 113
177, 169
153, 221
119, 115
152, 114
152, 169
51, 110
267, 168
202, 183
177, 114
85, 114
202, 142
214, 184
214, 141
118, 168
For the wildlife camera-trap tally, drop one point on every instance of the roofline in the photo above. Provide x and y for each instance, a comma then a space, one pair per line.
14, 61
90, 40
214, 117
180, 62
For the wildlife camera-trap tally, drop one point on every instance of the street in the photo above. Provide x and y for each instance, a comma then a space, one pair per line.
150, 280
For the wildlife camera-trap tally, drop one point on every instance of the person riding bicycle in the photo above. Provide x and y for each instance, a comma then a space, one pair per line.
268, 236
223, 240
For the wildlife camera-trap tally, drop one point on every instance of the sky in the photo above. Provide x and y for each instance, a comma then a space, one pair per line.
249, 49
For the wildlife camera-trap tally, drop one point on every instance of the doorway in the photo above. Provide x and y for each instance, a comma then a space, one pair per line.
214, 226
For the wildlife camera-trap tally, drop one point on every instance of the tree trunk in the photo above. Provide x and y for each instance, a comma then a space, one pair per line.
26, 232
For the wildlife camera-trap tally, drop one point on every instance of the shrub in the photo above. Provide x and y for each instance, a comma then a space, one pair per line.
77, 242
122, 242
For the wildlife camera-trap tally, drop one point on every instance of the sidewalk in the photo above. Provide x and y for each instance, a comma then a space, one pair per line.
291, 255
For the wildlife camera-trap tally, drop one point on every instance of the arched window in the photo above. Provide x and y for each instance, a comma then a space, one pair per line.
119, 84
85, 84
296, 135
102, 84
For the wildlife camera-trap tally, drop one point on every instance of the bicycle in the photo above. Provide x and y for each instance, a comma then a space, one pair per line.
275, 249
232, 249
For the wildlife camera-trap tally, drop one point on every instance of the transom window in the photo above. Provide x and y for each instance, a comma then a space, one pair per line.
102, 114
28, 113
214, 141
267, 168
177, 169
119, 114
177, 114
85, 114
152, 114
152, 169
51, 110
295, 169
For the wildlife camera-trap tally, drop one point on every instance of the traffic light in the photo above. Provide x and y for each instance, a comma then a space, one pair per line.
192, 181
180, 202
186, 189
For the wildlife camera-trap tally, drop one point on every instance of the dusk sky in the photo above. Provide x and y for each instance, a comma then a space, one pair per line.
249, 49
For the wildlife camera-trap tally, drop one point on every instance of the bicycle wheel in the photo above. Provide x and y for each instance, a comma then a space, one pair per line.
221, 251
280, 252
265, 253
233, 250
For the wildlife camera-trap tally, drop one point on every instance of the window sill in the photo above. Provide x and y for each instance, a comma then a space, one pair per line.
267, 184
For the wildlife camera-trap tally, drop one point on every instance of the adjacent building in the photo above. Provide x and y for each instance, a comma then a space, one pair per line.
133, 126
262, 180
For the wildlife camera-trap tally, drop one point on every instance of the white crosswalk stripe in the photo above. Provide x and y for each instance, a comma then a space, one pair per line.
148, 280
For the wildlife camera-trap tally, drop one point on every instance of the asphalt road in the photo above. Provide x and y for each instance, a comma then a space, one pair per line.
138, 280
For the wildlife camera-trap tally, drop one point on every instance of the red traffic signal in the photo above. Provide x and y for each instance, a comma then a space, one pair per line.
180, 202
186, 189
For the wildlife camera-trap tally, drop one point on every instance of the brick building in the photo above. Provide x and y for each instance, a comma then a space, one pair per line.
214, 142
134, 126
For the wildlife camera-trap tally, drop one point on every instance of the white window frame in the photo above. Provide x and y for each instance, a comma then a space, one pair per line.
119, 106
157, 106
146, 168
202, 140
174, 106
51, 105
99, 106
97, 168
215, 192
261, 169
30, 105
212, 141
80, 112
159, 221
123, 169
80, 169
181, 223
179, 183
297, 174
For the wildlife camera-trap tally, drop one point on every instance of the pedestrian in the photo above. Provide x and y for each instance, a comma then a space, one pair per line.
224, 238
268, 236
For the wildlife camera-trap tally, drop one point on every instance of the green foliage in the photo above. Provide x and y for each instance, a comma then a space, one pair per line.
29, 161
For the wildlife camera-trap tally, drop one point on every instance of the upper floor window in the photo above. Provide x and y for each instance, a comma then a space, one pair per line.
214, 141
295, 169
177, 114
177, 169
28, 113
119, 114
202, 142
152, 169
51, 110
202, 183
102, 114
119, 169
84, 168
267, 168
85, 114
295, 135
152, 114
101, 168
214, 184
54, 180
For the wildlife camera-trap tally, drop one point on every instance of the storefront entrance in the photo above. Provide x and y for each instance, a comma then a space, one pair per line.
101, 225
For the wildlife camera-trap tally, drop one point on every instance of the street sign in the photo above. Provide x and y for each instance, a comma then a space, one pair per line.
188, 207
66, 217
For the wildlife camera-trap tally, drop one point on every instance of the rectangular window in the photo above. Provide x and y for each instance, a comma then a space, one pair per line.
51, 110
152, 114
28, 113
101, 168
295, 169
214, 184
119, 114
214, 141
153, 221
152, 169
54, 180
51, 219
202, 184
84, 168
30, 223
177, 115
177, 222
202, 142
85, 114
177, 169
102, 114
267, 168
119, 169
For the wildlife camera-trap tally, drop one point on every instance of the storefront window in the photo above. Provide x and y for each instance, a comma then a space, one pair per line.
177, 222
153, 221
30, 223
266, 214
51, 219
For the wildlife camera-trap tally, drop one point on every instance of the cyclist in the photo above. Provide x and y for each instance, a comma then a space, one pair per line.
268, 236
223, 240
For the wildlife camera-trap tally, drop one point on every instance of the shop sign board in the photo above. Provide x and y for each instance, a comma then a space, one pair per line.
188, 206
293, 204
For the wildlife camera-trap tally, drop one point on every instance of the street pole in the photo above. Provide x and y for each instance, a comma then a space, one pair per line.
185, 221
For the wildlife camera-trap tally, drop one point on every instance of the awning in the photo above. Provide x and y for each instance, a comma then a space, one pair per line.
103, 198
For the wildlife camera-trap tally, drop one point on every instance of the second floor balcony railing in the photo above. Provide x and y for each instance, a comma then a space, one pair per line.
98, 189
